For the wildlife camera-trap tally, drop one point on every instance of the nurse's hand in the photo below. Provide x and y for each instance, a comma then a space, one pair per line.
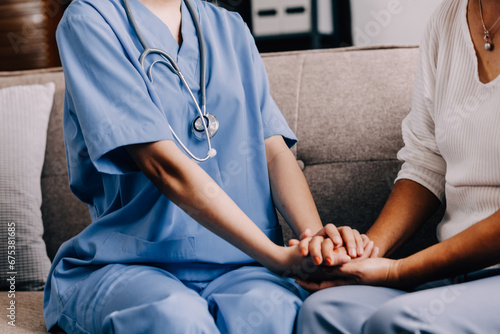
288, 261
321, 246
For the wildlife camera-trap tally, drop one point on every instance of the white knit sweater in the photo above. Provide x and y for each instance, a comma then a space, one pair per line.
452, 134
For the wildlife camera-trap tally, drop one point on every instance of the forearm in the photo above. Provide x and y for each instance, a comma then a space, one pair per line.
291, 194
408, 207
194, 191
475, 248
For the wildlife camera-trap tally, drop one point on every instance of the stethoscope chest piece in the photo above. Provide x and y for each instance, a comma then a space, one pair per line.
205, 125
198, 128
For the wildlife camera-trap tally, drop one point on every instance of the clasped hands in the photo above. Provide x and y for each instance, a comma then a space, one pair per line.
343, 257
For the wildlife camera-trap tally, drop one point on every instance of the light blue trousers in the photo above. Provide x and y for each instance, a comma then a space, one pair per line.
136, 299
442, 307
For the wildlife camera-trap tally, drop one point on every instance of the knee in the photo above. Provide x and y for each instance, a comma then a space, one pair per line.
321, 313
397, 317
256, 311
179, 313
314, 307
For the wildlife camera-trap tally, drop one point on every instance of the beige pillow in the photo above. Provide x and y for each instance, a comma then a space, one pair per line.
24, 116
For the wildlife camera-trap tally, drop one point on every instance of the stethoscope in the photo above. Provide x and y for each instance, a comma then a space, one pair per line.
205, 125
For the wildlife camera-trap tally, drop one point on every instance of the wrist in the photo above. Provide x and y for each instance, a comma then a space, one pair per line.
380, 243
394, 275
402, 276
274, 259
288, 262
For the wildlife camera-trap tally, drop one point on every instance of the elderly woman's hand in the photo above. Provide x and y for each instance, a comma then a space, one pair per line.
366, 271
330, 241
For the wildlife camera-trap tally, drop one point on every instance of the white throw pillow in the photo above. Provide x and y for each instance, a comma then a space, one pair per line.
24, 117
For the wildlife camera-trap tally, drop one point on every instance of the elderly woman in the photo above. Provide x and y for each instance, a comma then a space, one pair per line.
452, 151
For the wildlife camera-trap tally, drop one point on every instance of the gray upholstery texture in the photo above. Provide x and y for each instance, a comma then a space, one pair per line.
346, 107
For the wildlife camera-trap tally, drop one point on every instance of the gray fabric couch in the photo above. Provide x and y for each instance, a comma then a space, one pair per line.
345, 106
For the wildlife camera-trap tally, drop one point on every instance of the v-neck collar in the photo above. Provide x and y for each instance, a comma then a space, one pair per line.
158, 36
471, 49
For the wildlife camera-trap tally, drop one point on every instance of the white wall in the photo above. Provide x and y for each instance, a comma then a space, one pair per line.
389, 22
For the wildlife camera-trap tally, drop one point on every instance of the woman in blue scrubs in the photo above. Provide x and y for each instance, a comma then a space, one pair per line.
176, 245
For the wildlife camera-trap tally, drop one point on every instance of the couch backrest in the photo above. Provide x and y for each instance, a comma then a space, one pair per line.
345, 105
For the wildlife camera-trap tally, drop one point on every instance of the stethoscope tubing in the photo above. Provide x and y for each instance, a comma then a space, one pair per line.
172, 64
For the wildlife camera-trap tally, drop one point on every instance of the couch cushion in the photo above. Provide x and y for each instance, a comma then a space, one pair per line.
346, 107
63, 214
356, 114
27, 310
344, 104
24, 115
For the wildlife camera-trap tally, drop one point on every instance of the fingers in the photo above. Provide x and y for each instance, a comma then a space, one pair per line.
359, 242
333, 257
331, 232
306, 234
375, 252
365, 239
327, 251
340, 250
368, 251
322, 246
315, 249
349, 240
304, 246
322, 250
354, 242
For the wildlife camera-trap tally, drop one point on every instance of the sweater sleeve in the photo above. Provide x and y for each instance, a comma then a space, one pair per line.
422, 161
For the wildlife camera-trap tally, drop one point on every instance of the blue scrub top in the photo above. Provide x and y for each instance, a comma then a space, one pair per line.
110, 103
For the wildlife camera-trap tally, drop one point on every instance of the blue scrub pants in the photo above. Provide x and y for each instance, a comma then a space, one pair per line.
135, 299
441, 307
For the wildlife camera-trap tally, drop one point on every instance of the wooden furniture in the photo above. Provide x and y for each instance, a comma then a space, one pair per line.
27, 33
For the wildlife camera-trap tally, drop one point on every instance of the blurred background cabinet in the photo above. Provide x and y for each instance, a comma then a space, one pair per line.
284, 25
27, 33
